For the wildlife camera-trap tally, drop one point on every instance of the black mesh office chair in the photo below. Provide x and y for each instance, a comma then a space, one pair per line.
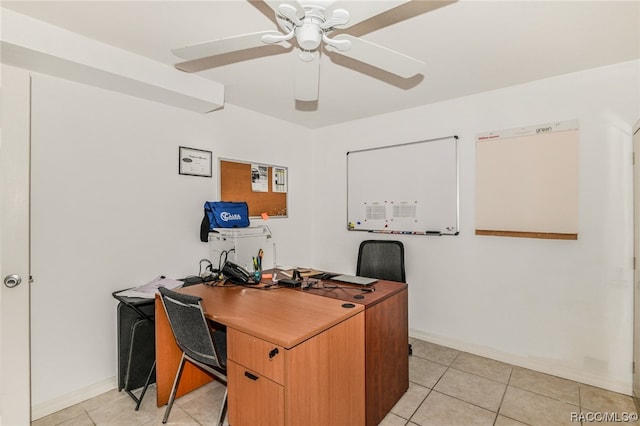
381, 259
200, 346
384, 260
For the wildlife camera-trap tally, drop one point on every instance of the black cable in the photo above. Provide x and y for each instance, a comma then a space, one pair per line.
225, 282
220, 263
224, 253
210, 266
325, 287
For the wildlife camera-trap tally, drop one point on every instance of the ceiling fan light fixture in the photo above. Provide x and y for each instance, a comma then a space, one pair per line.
309, 36
306, 56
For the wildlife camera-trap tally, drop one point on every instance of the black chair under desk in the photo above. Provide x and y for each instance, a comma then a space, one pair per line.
136, 345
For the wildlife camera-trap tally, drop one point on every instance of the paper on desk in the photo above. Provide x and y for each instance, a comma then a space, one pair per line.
287, 271
307, 272
150, 289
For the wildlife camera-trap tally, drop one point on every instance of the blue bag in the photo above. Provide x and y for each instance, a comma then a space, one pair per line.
223, 214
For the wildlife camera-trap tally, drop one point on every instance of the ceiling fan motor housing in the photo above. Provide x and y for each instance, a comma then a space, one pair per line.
309, 36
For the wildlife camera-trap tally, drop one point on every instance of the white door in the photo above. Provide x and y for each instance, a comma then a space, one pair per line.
636, 269
15, 403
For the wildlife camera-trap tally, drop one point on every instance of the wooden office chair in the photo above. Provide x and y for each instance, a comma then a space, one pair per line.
200, 346
381, 259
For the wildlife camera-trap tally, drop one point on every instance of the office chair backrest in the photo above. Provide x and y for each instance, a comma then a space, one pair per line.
190, 328
382, 259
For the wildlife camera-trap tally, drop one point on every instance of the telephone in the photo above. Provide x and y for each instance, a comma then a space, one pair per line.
236, 273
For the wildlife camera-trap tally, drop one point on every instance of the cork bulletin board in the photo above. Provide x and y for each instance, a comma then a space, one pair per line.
263, 186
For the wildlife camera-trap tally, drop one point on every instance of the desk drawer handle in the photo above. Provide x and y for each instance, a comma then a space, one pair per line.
251, 376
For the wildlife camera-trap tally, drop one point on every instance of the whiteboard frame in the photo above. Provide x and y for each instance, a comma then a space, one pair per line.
455, 140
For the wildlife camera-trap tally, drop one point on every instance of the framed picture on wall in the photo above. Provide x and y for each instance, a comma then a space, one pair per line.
194, 162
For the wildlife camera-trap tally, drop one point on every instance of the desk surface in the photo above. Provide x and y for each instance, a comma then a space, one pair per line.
281, 316
354, 293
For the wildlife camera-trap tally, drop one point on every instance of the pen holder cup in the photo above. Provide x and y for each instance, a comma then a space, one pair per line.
257, 276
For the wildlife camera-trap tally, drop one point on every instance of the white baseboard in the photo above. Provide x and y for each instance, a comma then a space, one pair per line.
64, 401
526, 362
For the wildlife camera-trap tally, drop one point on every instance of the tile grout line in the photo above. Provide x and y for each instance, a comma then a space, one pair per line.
432, 389
506, 388
580, 402
480, 376
548, 396
93, 422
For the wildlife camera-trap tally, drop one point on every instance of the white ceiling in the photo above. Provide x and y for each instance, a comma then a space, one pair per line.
469, 47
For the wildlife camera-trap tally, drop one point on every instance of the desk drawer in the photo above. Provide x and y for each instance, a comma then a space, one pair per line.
259, 355
253, 399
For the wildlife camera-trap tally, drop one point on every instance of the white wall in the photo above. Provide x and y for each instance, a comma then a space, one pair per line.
563, 307
109, 211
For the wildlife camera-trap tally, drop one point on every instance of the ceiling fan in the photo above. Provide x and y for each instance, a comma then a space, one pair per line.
310, 23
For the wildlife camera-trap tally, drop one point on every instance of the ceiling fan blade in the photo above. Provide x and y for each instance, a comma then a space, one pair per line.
223, 45
275, 5
307, 77
363, 10
379, 57
339, 17
291, 13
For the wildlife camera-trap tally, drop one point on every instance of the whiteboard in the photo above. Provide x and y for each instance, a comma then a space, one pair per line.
409, 188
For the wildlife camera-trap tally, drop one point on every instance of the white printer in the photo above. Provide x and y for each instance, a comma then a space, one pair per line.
239, 245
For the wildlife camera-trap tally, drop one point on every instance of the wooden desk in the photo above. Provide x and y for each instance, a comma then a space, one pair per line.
317, 375
386, 341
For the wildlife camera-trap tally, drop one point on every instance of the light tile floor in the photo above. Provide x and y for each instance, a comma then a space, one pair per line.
447, 387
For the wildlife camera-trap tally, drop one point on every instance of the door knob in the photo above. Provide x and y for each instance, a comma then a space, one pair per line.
12, 280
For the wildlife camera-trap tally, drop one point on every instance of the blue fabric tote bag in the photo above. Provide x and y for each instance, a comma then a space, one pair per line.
223, 214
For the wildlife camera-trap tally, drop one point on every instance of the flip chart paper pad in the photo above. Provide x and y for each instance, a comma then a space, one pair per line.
527, 181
